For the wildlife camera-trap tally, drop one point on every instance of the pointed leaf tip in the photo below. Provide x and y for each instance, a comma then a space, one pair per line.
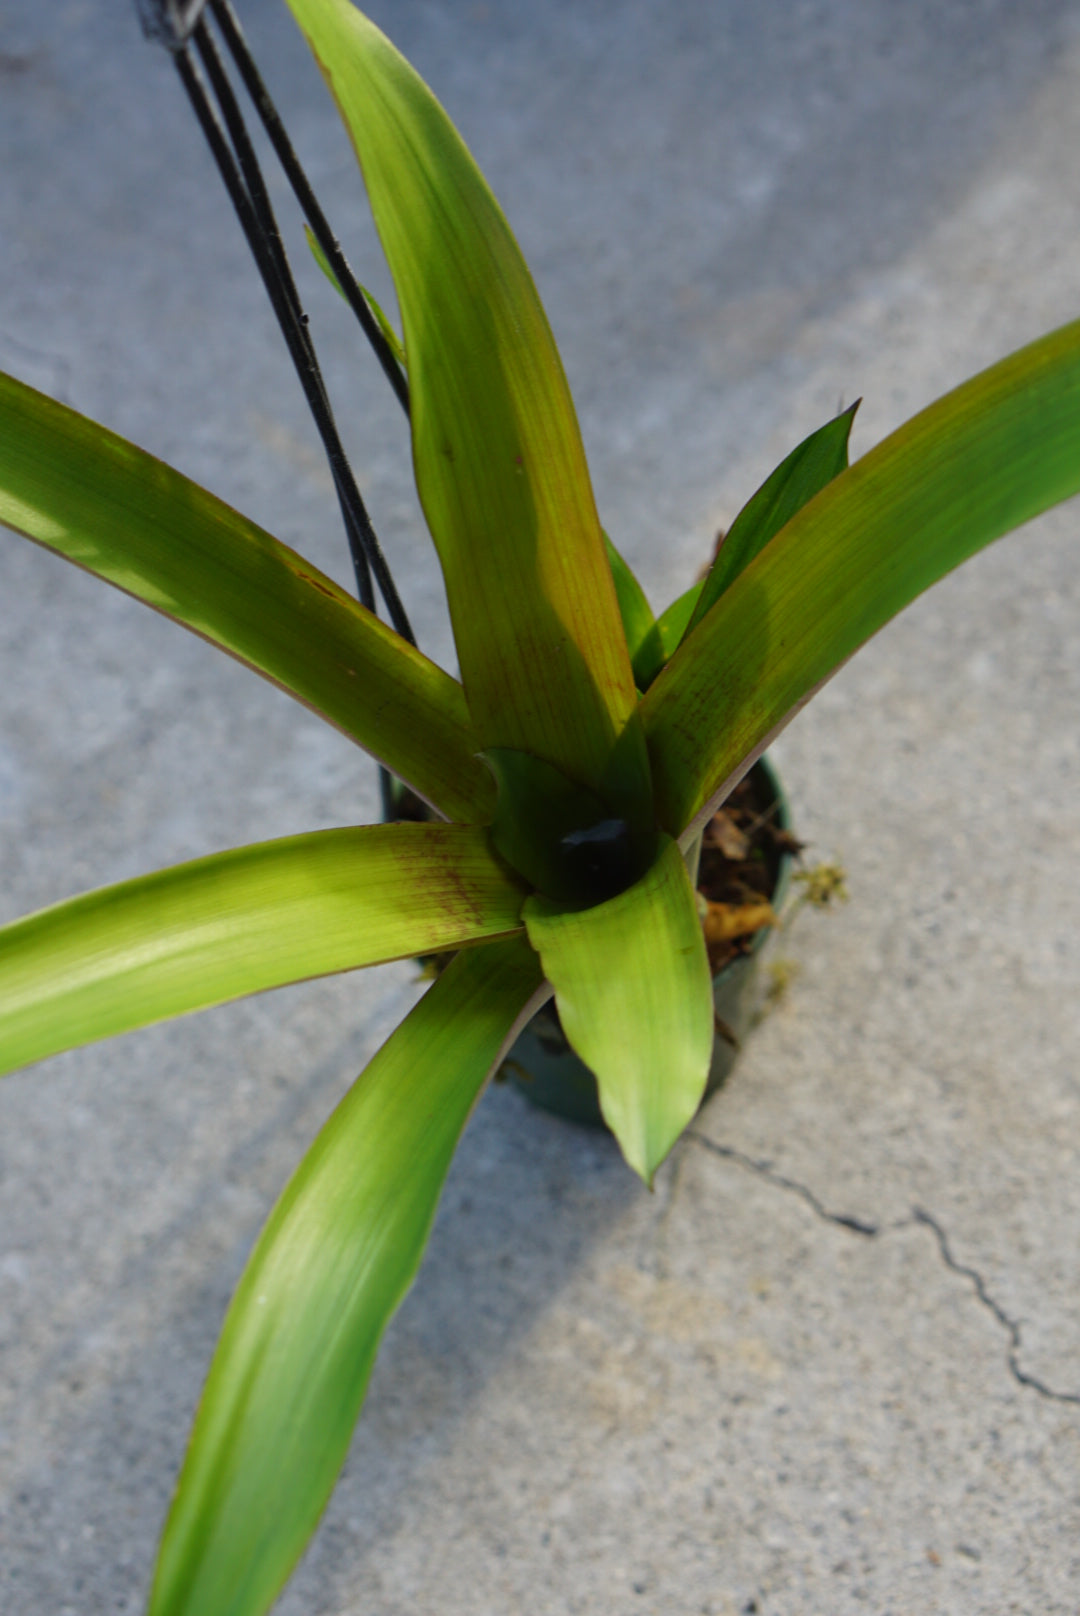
78, 489
334, 1260
500, 466
634, 994
241, 922
975, 464
809, 468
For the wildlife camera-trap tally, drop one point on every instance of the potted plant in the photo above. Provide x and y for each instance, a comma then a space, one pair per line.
574, 766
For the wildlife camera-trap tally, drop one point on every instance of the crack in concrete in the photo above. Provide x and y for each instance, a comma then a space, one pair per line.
1021, 1376
871, 1231
765, 1170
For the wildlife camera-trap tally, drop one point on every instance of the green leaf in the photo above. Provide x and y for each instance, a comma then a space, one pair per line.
82, 491
239, 922
393, 341
977, 463
334, 1260
663, 638
500, 467
806, 471
634, 995
634, 609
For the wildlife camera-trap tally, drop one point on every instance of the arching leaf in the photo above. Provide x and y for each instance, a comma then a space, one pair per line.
243, 921
336, 1257
977, 463
805, 472
634, 609
80, 490
499, 462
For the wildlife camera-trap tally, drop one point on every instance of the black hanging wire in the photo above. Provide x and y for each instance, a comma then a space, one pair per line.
248, 194
178, 24
173, 22
233, 36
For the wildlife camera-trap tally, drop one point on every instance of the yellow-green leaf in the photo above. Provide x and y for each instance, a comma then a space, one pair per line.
662, 640
634, 995
977, 463
499, 462
334, 1260
80, 490
634, 608
239, 922
805, 472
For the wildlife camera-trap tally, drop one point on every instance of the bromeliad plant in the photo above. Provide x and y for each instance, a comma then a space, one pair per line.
572, 768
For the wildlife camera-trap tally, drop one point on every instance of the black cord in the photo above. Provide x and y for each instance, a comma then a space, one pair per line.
252, 206
249, 166
176, 23
232, 33
312, 391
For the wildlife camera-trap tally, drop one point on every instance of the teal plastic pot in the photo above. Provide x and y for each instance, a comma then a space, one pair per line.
543, 1067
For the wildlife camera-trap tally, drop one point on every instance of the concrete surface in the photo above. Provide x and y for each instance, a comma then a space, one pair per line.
831, 1365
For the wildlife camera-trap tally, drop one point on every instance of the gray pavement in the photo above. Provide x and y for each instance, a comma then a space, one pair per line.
725, 1397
